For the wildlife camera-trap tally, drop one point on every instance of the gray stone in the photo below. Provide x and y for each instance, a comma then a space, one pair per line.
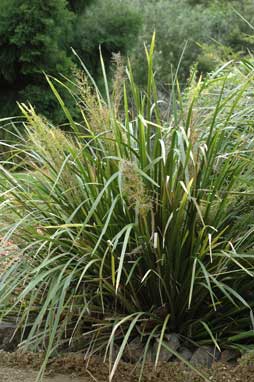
133, 351
185, 353
164, 355
172, 342
115, 351
150, 355
7, 340
205, 356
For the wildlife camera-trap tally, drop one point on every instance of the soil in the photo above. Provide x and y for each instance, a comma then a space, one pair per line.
8, 374
20, 367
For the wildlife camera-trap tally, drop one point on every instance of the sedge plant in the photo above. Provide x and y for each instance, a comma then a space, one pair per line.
126, 225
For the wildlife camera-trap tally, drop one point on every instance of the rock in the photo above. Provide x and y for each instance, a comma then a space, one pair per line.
115, 351
133, 351
7, 342
172, 342
205, 356
150, 355
230, 356
185, 353
164, 355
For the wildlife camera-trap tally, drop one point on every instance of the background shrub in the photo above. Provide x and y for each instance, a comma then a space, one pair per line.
33, 39
37, 37
112, 25
213, 32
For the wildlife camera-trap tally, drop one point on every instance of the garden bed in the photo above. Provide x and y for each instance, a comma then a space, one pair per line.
73, 367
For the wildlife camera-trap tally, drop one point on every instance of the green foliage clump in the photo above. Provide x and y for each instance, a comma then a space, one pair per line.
127, 226
36, 37
36, 32
206, 33
33, 38
112, 25
78, 6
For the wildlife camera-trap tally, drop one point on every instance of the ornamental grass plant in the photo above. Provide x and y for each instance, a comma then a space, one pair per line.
127, 225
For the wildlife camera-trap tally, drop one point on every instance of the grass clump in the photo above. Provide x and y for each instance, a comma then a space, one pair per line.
127, 227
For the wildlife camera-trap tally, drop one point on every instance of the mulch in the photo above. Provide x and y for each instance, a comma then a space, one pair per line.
97, 370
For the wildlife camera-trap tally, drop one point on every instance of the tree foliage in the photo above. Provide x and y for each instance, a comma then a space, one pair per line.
78, 6
33, 38
213, 31
36, 36
110, 24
